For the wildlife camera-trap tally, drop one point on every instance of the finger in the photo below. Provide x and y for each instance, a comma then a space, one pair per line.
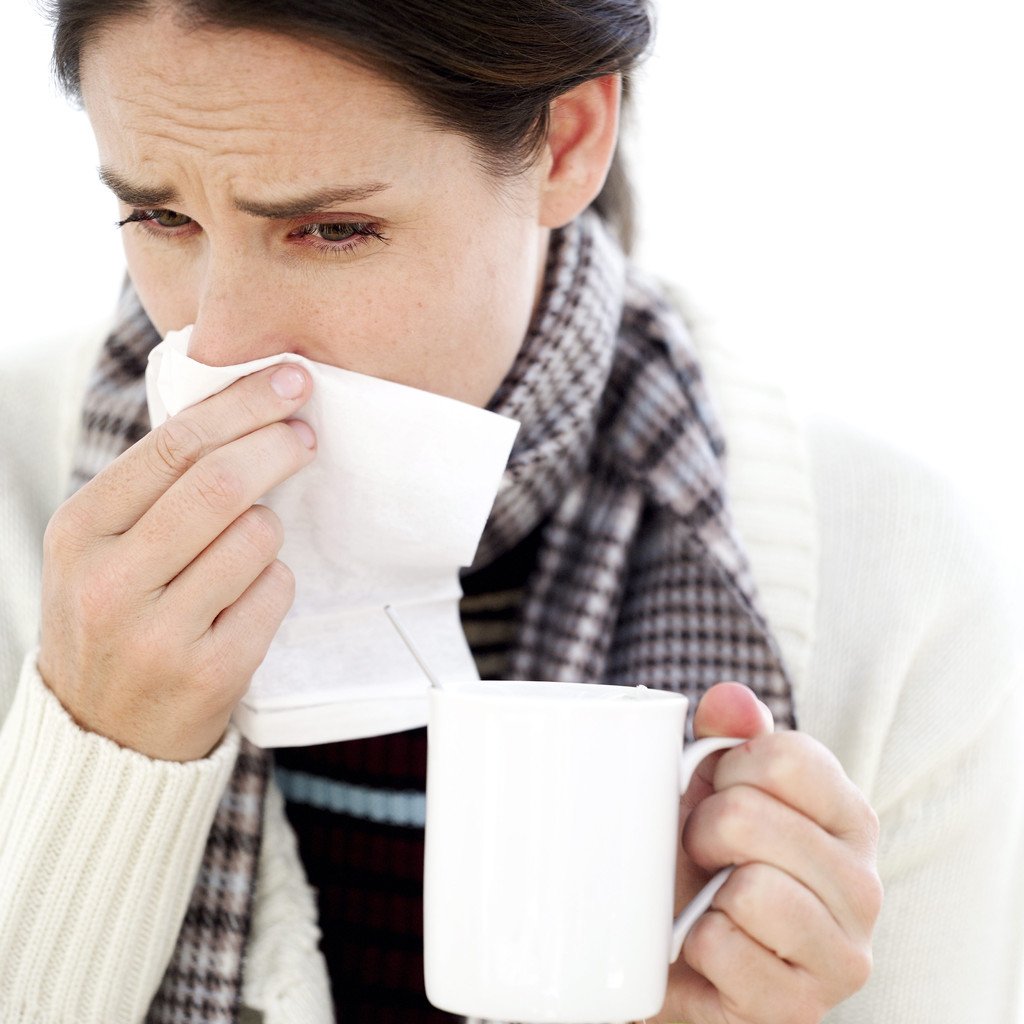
803, 773
203, 503
222, 573
259, 612
727, 709
742, 824
115, 499
738, 979
731, 709
785, 917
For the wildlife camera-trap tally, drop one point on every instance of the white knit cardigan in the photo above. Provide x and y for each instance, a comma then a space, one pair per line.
883, 596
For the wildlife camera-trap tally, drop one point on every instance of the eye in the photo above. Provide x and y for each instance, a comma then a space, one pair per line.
339, 237
161, 220
170, 219
334, 232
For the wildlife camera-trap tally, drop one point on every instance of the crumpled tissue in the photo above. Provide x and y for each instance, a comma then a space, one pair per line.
393, 504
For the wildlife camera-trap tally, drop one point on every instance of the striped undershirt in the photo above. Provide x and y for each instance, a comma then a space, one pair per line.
357, 809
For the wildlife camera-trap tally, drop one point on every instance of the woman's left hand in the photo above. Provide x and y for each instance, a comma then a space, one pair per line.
789, 934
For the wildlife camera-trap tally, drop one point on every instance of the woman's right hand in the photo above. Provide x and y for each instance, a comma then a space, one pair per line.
161, 586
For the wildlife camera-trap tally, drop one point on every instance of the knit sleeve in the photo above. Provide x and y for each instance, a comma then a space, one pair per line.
917, 684
949, 946
99, 850
41, 386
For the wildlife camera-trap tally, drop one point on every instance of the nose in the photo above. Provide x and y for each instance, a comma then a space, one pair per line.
241, 317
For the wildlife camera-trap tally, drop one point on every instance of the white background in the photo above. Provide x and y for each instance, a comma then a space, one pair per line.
838, 185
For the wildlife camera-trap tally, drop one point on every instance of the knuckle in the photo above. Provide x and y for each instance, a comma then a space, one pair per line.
69, 532
262, 530
279, 590
178, 444
248, 398
62, 532
704, 939
290, 440
787, 759
782, 768
217, 488
864, 828
743, 894
736, 817
853, 969
862, 967
877, 894
283, 579
870, 895
873, 825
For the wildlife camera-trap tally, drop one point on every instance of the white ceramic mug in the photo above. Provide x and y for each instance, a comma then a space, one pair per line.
551, 841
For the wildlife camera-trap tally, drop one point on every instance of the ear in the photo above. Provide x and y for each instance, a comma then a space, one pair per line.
584, 127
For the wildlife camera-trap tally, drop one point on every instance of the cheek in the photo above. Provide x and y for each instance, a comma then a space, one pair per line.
483, 315
165, 287
449, 321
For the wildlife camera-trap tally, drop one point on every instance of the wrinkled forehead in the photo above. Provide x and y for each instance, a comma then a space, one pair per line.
152, 62
165, 99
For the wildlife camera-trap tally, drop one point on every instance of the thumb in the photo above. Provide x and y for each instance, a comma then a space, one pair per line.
732, 709
727, 709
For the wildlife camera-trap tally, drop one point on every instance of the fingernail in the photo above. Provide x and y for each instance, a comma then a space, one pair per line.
288, 382
306, 435
766, 714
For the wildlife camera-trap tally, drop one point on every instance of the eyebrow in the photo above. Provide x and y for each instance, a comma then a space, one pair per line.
316, 201
135, 195
312, 202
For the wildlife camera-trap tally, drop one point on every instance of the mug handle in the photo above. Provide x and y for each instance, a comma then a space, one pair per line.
690, 757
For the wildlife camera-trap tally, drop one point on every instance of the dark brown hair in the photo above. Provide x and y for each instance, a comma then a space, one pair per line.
487, 69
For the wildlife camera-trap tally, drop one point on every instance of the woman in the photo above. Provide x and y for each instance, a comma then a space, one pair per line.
418, 193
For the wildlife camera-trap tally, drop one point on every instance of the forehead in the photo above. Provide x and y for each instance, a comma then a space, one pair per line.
152, 86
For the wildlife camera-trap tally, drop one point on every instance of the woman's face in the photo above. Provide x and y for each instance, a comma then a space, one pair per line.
285, 200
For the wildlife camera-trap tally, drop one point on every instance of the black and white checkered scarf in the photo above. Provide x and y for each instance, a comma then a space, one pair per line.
641, 576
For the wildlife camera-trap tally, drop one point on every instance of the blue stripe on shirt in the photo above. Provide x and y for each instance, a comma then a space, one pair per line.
385, 806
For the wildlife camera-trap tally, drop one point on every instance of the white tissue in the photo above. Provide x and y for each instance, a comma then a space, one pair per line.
393, 504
